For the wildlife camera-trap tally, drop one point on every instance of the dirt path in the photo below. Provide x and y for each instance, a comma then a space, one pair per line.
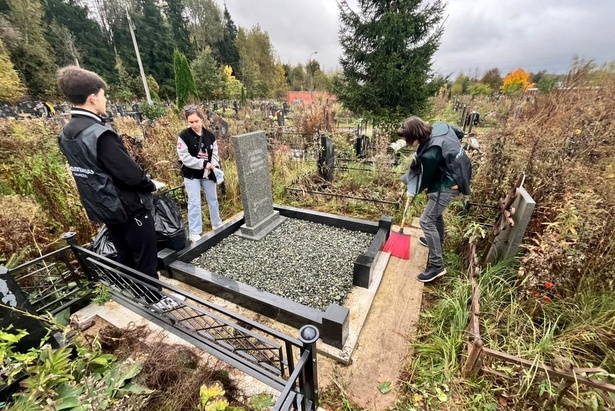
384, 340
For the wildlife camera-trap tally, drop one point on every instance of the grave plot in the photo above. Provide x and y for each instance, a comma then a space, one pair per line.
291, 264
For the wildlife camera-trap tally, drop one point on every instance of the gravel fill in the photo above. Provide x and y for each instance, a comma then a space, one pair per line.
306, 262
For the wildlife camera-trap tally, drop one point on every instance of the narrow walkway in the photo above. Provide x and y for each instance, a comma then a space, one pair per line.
386, 335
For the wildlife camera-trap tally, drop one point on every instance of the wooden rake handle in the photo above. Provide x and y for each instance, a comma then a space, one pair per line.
403, 220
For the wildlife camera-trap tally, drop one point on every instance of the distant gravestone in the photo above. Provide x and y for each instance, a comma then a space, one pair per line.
464, 109
223, 129
26, 107
507, 242
62, 108
14, 303
360, 146
326, 159
255, 183
9, 112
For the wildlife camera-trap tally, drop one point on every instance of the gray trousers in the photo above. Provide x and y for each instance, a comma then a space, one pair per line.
432, 223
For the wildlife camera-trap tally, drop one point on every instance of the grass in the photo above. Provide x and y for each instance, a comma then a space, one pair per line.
572, 332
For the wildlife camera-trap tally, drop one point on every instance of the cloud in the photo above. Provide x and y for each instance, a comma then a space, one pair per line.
478, 34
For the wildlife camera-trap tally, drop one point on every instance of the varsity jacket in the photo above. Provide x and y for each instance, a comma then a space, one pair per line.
189, 144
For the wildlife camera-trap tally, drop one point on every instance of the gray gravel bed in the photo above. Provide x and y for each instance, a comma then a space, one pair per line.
306, 262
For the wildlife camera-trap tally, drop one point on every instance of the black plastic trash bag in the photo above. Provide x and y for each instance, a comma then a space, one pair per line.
170, 231
102, 244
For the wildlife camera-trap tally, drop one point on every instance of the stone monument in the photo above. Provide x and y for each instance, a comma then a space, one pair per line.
255, 184
507, 242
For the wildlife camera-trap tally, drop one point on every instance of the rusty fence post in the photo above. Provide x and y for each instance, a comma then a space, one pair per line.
472, 364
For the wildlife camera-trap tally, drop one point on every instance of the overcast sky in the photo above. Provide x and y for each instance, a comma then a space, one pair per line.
478, 34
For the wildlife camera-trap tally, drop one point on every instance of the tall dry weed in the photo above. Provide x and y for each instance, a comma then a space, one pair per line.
319, 116
564, 142
34, 169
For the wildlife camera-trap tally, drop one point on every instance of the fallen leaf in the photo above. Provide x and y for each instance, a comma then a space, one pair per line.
384, 387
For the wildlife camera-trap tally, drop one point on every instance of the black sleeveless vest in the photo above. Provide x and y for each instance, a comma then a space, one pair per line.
98, 193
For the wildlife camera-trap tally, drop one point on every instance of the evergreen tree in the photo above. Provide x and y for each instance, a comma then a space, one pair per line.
126, 87
32, 54
386, 62
77, 39
226, 48
174, 11
11, 88
155, 44
185, 89
207, 75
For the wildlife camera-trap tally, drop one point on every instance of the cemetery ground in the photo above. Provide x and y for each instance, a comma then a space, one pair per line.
553, 304
369, 374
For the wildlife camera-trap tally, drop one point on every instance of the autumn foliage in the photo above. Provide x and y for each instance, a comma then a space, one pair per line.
11, 88
516, 82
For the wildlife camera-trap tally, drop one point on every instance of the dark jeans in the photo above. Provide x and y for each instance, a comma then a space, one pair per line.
135, 244
432, 223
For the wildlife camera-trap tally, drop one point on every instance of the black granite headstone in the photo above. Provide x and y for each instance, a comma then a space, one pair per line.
326, 159
360, 146
224, 129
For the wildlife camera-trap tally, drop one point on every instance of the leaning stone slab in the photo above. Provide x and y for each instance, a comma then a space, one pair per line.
508, 241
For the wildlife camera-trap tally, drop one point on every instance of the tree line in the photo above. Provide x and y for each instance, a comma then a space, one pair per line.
37, 37
386, 62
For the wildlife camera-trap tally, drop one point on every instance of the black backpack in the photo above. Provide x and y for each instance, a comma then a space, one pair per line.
457, 161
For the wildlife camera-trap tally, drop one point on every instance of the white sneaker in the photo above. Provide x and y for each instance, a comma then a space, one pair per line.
164, 305
194, 237
215, 227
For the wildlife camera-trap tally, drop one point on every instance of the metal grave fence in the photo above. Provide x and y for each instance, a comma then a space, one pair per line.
58, 280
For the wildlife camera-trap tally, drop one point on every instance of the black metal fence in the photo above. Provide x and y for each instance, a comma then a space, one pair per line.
57, 280
53, 282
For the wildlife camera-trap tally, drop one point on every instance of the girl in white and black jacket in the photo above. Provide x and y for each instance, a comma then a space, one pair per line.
198, 152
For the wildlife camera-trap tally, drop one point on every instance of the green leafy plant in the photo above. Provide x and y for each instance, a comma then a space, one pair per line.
154, 110
212, 399
102, 294
72, 377
261, 402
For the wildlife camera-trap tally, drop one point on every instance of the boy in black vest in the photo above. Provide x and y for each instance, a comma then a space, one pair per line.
113, 188
434, 144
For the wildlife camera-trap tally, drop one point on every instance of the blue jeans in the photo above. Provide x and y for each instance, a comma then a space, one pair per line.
432, 223
193, 189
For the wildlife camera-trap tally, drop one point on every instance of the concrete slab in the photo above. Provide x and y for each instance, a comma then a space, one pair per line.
358, 302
